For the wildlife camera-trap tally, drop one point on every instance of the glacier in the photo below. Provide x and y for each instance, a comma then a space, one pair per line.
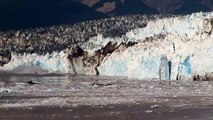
170, 48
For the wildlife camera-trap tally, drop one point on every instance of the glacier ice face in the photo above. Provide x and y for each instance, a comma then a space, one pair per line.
186, 47
33, 63
170, 48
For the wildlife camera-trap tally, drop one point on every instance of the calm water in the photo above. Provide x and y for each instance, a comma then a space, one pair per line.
25, 95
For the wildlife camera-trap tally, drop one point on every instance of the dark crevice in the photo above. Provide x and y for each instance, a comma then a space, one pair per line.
170, 69
109, 48
130, 44
178, 77
211, 22
73, 66
97, 72
77, 52
174, 47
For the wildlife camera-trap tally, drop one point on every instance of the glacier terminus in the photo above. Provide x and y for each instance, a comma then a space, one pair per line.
138, 47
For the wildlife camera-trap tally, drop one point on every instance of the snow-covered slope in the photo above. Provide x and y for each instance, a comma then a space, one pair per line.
167, 48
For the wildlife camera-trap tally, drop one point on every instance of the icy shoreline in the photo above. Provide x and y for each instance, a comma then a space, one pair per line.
167, 49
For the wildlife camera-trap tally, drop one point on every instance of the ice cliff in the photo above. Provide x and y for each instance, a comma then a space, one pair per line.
139, 47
